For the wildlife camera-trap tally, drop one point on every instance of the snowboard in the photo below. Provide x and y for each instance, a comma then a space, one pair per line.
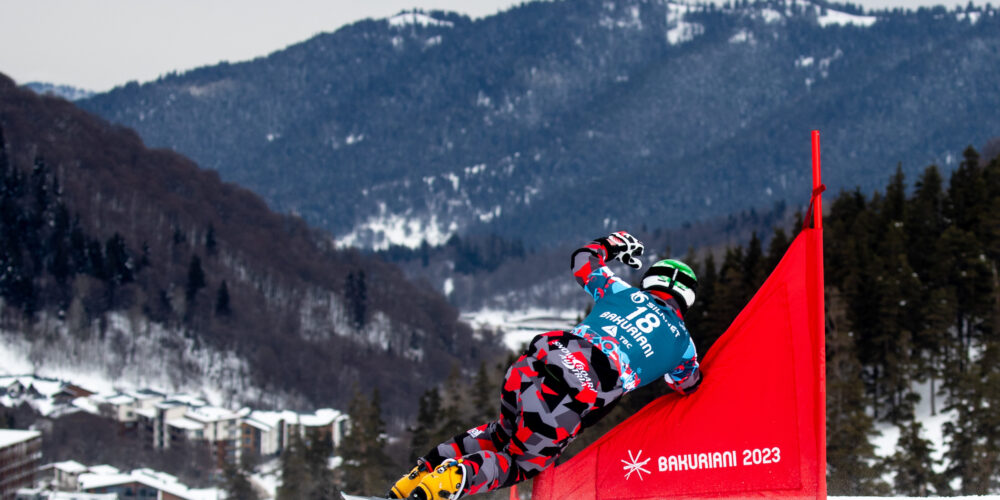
355, 497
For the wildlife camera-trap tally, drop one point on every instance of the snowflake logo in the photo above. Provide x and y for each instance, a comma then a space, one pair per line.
635, 464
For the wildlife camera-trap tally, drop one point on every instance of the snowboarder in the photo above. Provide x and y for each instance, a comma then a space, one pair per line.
567, 380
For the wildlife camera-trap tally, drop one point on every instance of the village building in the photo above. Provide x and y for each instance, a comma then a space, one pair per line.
63, 476
20, 457
43, 494
142, 483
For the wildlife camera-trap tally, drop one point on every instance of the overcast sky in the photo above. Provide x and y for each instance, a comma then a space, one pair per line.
98, 44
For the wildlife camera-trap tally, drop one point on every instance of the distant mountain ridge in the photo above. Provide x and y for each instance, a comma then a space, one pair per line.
568, 117
136, 264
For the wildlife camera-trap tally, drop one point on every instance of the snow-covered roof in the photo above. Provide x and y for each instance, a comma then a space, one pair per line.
269, 418
104, 469
120, 399
146, 412
186, 424
93, 480
314, 421
45, 386
181, 400
12, 437
147, 393
65, 495
211, 414
153, 479
259, 425
321, 418
204, 494
45, 406
70, 466
87, 405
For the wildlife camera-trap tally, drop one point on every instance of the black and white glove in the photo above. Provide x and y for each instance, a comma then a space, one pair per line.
624, 247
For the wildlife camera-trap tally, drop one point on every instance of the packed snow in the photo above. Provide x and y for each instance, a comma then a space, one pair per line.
742, 36
681, 31
385, 229
417, 18
519, 327
128, 355
837, 18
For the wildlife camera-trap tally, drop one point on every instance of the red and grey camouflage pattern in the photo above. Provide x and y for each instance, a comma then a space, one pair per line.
557, 387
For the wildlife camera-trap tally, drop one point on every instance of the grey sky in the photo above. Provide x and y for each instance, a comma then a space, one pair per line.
98, 44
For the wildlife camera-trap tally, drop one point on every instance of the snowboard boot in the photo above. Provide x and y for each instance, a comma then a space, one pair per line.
445, 483
407, 483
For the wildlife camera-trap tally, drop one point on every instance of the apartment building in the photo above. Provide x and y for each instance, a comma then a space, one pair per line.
20, 457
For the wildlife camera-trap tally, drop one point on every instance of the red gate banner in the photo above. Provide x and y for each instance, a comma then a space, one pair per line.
755, 427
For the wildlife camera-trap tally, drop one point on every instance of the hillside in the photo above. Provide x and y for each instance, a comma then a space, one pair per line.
575, 117
137, 264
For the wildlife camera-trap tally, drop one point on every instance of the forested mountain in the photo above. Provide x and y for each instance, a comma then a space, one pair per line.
575, 117
138, 265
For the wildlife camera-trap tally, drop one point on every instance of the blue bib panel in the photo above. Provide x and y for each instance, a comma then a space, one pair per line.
643, 336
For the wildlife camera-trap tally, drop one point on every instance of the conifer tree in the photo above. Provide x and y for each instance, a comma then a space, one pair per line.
924, 224
970, 277
211, 245
990, 227
423, 433
78, 250
455, 406
59, 262
318, 451
366, 467
897, 288
697, 319
195, 279
145, 260
294, 470
851, 462
484, 397
894, 205
967, 193
912, 464
776, 249
356, 293
730, 294
222, 307
754, 270
236, 482
118, 261
967, 455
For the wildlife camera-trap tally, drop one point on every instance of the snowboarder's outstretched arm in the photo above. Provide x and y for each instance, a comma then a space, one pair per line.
590, 261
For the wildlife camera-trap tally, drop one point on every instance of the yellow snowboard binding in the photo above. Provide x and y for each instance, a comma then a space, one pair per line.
445, 483
409, 482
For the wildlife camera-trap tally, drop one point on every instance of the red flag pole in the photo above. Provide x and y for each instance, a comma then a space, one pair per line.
821, 321
817, 183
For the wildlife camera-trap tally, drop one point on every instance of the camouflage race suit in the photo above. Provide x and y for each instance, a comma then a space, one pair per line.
548, 394
568, 380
